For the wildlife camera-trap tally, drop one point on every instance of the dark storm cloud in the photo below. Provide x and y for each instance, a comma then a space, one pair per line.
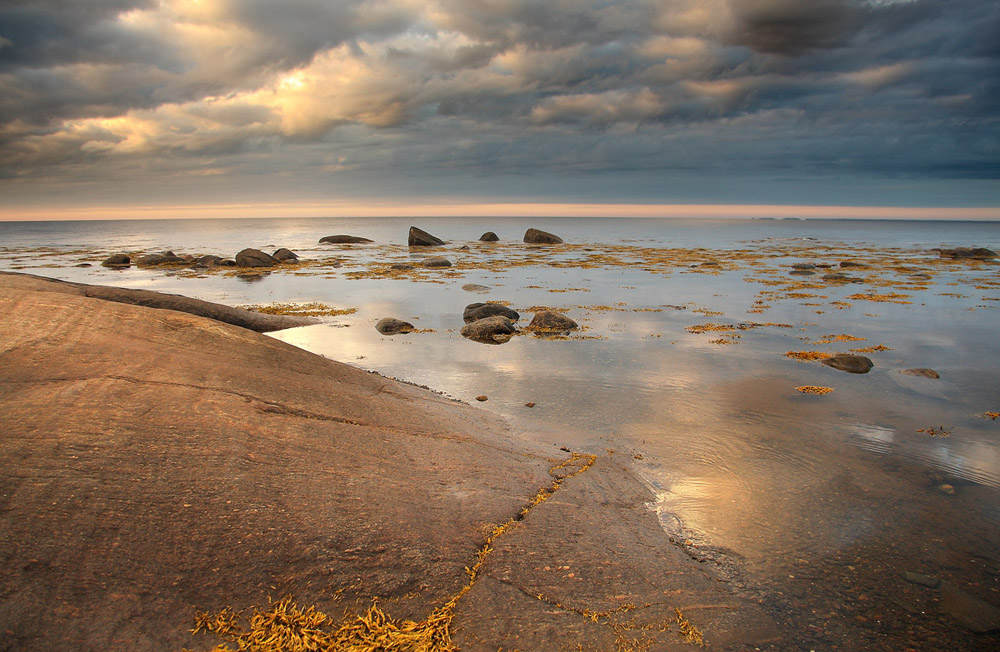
868, 87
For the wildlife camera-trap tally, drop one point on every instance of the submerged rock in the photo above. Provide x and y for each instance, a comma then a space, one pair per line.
285, 255
980, 253
211, 260
550, 321
344, 239
491, 330
165, 258
924, 373
117, 260
489, 236
536, 236
393, 326
255, 258
421, 238
436, 261
401, 266
853, 364
803, 266
476, 311
923, 580
475, 287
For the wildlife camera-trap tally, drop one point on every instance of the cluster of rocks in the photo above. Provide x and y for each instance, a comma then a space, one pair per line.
493, 323
420, 238
246, 258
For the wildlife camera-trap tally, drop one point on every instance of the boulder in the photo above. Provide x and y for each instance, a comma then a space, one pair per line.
344, 239
117, 260
393, 326
491, 330
922, 373
165, 258
255, 258
550, 321
489, 236
421, 238
436, 261
854, 364
285, 255
476, 311
980, 253
535, 236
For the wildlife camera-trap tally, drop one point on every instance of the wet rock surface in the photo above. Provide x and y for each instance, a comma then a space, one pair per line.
163, 258
141, 489
489, 236
981, 253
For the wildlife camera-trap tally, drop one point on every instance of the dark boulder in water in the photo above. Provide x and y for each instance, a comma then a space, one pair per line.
980, 253
476, 311
922, 373
165, 258
491, 330
550, 321
393, 326
285, 255
117, 260
853, 364
535, 236
421, 238
255, 258
489, 236
344, 239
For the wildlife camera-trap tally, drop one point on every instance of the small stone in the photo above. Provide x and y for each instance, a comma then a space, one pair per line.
436, 261
529, 404
923, 580
482, 397
946, 489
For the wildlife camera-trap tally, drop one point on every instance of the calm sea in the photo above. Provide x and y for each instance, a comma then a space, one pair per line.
680, 369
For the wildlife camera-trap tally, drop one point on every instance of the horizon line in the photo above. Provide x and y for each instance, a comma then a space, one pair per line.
499, 210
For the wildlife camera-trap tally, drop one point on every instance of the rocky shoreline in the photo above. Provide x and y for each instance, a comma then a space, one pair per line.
158, 463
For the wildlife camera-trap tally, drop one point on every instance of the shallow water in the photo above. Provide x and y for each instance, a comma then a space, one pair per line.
808, 500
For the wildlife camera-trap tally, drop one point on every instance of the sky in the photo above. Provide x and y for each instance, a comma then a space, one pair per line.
184, 108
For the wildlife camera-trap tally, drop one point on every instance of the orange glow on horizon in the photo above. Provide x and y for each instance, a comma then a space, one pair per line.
497, 209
